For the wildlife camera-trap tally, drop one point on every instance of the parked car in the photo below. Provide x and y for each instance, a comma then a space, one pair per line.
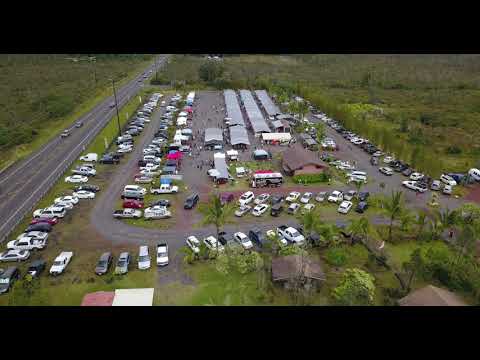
246, 198
293, 196
242, 210
363, 196
65, 133
143, 258
349, 195
374, 161
127, 214
416, 176
293, 208
447, 189
193, 243
407, 172
103, 264
157, 212
388, 159
335, 197
415, 185
436, 185
256, 236
446, 179
162, 254
345, 207
243, 240
132, 204
306, 197
321, 196
50, 221
60, 263
191, 201
14, 255
276, 209
36, 268
123, 263
290, 234
8, 278
308, 208
212, 244
262, 198
75, 179
361, 207
87, 187
161, 202
276, 199
66, 200
41, 226
386, 170
226, 198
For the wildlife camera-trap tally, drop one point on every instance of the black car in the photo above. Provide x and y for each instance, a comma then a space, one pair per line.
277, 199
361, 207
191, 201
41, 226
161, 202
407, 171
8, 278
104, 263
142, 163
36, 268
106, 159
276, 210
224, 238
363, 196
257, 237
88, 187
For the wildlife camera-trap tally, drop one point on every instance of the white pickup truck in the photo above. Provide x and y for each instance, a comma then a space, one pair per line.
61, 262
164, 189
290, 234
27, 243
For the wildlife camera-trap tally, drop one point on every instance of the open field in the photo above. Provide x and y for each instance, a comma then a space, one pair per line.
40, 95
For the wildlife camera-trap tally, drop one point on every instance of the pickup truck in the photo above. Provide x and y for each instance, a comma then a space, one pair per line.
290, 234
61, 262
127, 214
27, 243
164, 189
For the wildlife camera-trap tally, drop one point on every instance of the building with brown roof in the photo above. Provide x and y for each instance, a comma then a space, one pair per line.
289, 267
297, 161
432, 296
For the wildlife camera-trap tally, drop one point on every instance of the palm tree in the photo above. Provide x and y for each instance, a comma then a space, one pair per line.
394, 208
446, 218
309, 222
328, 233
214, 213
420, 223
360, 227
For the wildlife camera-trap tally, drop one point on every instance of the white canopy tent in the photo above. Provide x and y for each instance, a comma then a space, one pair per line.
283, 137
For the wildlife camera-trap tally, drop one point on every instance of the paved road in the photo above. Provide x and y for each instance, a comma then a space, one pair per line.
23, 184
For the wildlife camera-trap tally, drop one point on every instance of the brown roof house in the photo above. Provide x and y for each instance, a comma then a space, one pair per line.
297, 161
286, 269
431, 296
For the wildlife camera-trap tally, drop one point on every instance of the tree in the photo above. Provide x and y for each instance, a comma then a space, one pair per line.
216, 214
393, 206
320, 127
210, 71
411, 267
420, 223
309, 222
356, 288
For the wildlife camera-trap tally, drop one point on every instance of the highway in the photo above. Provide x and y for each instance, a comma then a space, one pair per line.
23, 184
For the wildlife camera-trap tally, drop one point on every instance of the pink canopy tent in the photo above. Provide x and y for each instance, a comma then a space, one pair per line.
188, 109
176, 155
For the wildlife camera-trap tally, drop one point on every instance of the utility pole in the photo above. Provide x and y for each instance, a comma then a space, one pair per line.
116, 107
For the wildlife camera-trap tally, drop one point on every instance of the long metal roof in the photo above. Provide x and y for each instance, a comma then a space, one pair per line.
233, 108
238, 135
213, 134
221, 167
267, 103
254, 114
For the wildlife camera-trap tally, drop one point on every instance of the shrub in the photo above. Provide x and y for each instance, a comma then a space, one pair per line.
336, 256
310, 178
453, 150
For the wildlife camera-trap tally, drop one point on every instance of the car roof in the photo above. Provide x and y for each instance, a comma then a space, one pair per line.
8, 272
123, 255
105, 255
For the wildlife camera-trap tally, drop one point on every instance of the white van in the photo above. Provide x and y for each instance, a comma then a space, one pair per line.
135, 188
91, 157
474, 174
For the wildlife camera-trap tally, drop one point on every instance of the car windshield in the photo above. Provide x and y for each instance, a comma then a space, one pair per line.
122, 263
57, 263
102, 263
295, 233
144, 258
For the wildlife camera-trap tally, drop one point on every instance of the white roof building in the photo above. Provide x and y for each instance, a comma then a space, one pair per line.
133, 297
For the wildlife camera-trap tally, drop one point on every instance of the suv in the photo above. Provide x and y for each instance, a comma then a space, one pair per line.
257, 236
276, 209
191, 201
8, 278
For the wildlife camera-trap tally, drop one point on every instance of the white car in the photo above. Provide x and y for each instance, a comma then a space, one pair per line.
150, 166
307, 208
27, 243
37, 235
262, 198
290, 234
243, 240
293, 196
321, 196
447, 189
345, 207
386, 170
335, 197
246, 198
14, 255
150, 172
136, 188
242, 210
377, 153
75, 179
293, 208
271, 234
157, 212
143, 258
349, 195
212, 243
162, 254
388, 159
60, 263
85, 170
259, 209
125, 150
414, 185
306, 197
193, 243
66, 200
84, 194
416, 176
446, 179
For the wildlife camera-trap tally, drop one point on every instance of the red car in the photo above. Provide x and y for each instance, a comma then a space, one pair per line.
132, 204
51, 221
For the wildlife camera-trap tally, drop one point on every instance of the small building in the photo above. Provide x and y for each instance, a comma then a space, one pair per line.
277, 138
432, 296
220, 174
281, 126
239, 137
133, 297
296, 267
297, 161
213, 136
